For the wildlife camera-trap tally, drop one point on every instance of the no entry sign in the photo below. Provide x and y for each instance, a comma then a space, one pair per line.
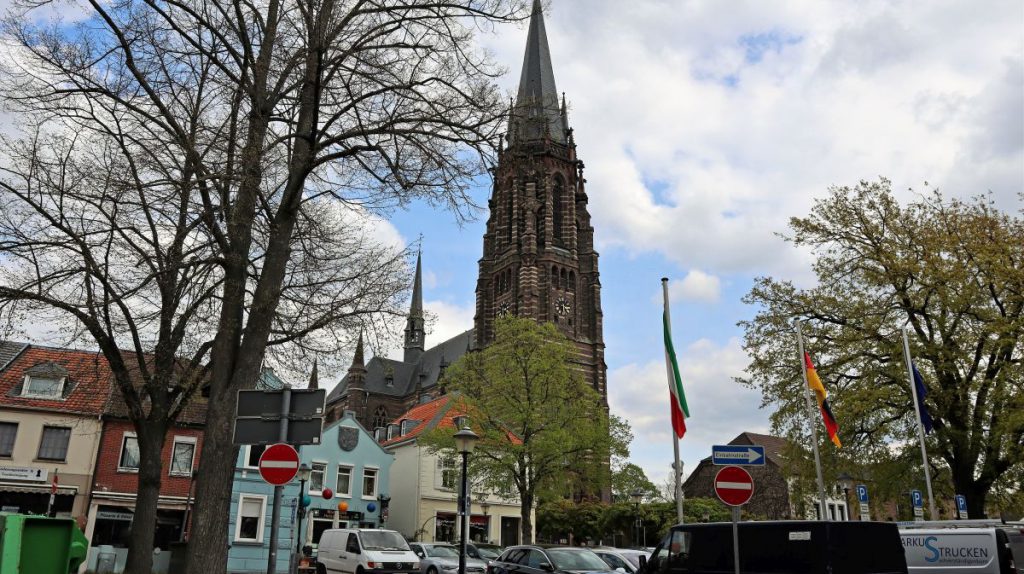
734, 486
279, 464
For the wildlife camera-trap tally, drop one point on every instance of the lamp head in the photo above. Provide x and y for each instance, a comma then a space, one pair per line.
304, 471
845, 481
465, 441
637, 496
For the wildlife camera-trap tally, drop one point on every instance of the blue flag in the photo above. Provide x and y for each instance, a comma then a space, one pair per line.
922, 391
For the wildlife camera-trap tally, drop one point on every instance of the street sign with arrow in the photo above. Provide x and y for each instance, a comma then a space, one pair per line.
738, 454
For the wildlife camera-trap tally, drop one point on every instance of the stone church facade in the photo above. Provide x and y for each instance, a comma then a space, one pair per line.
538, 258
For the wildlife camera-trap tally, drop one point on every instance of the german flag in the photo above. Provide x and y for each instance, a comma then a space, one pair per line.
819, 392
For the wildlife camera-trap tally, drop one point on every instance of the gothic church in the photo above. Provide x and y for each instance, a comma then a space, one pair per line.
538, 258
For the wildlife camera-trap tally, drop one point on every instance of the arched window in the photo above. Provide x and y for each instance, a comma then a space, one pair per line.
557, 213
554, 276
565, 279
509, 214
380, 417
572, 281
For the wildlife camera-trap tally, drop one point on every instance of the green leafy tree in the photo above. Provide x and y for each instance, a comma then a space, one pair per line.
950, 270
629, 478
544, 431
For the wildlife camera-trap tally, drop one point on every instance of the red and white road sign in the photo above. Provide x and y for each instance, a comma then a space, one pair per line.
279, 464
734, 486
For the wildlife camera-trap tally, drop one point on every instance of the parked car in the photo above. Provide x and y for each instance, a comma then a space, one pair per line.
937, 549
443, 558
360, 550
626, 559
557, 559
804, 546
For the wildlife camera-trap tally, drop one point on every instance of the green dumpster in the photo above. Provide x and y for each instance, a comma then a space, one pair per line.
40, 545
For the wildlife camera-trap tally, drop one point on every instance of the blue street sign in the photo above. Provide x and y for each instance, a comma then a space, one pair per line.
862, 493
917, 498
961, 503
740, 454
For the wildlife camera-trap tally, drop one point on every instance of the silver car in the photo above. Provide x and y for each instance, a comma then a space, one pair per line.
440, 558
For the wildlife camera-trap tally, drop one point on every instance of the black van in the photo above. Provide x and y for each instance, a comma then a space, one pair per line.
781, 547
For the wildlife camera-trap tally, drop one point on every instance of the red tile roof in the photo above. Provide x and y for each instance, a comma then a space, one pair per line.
87, 372
426, 413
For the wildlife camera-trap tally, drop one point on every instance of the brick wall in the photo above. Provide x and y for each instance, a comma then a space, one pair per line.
109, 478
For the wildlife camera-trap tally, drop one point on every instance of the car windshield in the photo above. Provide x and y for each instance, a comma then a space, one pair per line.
383, 540
441, 552
572, 559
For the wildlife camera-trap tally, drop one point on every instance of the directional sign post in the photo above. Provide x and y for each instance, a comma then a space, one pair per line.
741, 454
961, 506
734, 486
862, 498
917, 500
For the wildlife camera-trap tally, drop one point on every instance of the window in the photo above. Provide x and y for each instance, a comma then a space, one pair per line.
369, 483
129, 453
557, 208
54, 445
316, 476
408, 425
255, 451
446, 465
8, 432
43, 387
249, 524
183, 456
344, 486
380, 417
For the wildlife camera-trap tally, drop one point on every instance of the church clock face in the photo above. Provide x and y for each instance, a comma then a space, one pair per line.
562, 307
505, 309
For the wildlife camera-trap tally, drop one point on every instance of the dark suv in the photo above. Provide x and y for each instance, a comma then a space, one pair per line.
781, 547
537, 560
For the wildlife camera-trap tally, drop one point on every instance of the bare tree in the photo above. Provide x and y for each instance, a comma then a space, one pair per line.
228, 127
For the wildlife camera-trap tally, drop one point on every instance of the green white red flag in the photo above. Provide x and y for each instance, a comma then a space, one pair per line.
680, 412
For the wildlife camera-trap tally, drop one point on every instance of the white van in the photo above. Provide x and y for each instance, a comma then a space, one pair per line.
365, 551
957, 551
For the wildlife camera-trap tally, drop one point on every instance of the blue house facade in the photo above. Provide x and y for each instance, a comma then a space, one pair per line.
350, 464
347, 462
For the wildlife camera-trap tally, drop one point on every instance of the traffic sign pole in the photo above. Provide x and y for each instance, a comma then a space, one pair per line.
275, 521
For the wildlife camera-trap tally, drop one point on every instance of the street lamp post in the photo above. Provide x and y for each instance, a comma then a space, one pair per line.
384, 501
846, 483
300, 511
465, 440
638, 497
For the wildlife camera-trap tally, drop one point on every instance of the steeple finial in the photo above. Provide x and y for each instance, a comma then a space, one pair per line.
314, 379
536, 105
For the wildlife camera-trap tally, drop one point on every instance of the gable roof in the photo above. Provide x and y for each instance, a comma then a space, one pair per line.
405, 377
88, 379
437, 413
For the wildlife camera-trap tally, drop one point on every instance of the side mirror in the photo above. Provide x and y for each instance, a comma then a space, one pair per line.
643, 562
547, 567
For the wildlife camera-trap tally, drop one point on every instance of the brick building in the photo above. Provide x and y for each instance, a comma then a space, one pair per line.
538, 258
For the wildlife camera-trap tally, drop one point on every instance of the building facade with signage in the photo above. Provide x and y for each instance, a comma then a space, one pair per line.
348, 462
424, 484
51, 409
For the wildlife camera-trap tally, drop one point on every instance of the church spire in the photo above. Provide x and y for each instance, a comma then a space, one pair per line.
414, 329
314, 379
537, 107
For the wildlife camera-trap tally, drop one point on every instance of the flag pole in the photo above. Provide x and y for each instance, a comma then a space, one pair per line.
677, 468
814, 422
920, 427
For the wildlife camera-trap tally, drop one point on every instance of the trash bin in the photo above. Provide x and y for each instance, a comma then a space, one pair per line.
40, 545
106, 559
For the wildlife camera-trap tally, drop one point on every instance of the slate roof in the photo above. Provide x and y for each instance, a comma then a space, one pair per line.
405, 376
88, 378
9, 350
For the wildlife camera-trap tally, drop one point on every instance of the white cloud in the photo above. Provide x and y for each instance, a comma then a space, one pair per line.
720, 409
444, 321
696, 286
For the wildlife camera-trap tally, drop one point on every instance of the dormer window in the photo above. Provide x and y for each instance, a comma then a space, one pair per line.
389, 377
408, 425
44, 381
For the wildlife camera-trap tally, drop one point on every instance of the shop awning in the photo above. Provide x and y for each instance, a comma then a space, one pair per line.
38, 489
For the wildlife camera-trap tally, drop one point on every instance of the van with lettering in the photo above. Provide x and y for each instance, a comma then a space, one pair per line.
957, 550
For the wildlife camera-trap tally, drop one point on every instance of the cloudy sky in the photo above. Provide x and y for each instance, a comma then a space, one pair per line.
704, 126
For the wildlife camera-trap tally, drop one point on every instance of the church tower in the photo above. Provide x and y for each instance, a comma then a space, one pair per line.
538, 257
415, 330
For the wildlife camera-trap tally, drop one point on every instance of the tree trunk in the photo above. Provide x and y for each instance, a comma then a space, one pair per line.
208, 538
151, 438
525, 509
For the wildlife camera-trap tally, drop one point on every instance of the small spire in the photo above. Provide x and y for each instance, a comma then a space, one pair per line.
357, 360
314, 380
416, 310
